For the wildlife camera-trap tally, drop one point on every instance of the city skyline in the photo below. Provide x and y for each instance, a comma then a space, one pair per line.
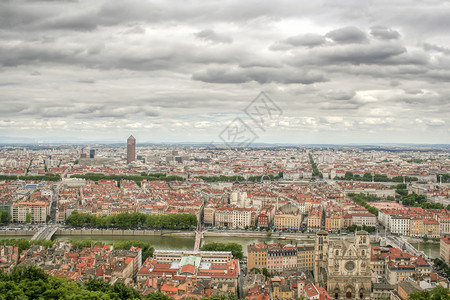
343, 73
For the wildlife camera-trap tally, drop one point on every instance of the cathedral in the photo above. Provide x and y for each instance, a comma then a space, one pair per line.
343, 267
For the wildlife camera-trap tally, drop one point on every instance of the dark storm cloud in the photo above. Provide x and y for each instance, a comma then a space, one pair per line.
73, 109
89, 81
26, 53
89, 15
339, 95
384, 33
347, 35
260, 75
384, 53
213, 37
306, 40
431, 47
116, 61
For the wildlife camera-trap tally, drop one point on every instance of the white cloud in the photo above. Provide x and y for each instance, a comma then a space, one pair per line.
105, 68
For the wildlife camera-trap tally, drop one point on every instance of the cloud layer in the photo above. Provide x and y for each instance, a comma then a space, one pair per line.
340, 72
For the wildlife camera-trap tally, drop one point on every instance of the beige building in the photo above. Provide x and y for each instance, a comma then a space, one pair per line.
223, 217
343, 267
444, 225
305, 257
333, 222
431, 228
242, 217
280, 257
38, 211
287, 221
257, 256
392, 265
208, 215
445, 249
315, 219
366, 219
416, 228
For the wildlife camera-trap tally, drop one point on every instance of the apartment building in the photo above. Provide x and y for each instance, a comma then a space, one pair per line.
399, 224
287, 221
393, 265
366, 219
333, 223
443, 217
305, 257
223, 217
445, 249
315, 219
209, 215
431, 228
280, 257
38, 211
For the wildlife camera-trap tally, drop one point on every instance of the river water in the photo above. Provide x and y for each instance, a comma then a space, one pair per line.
184, 243
187, 243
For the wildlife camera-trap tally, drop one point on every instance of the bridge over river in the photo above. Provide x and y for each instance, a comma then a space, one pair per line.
45, 233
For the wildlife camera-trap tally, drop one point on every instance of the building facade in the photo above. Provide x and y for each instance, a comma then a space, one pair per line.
37, 210
131, 149
445, 249
281, 257
343, 267
287, 221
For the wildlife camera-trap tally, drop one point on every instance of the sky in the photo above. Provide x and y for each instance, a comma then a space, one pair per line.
333, 72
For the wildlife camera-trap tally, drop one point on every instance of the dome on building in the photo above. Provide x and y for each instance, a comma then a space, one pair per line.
265, 178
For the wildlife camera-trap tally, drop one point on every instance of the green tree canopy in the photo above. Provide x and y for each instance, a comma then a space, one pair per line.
235, 248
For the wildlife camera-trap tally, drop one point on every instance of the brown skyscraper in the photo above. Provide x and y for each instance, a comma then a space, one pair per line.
131, 149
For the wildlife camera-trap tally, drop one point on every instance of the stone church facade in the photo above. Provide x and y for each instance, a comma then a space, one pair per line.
343, 267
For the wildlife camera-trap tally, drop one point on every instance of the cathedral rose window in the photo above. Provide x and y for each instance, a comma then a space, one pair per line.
350, 266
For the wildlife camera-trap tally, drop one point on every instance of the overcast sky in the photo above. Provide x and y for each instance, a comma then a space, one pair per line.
181, 71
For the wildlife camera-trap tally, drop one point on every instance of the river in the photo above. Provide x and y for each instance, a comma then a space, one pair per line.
183, 243
430, 249
187, 243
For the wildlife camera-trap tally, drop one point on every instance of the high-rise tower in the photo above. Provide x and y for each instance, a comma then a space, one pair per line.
131, 149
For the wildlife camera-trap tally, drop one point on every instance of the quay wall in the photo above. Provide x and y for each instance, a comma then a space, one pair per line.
14, 233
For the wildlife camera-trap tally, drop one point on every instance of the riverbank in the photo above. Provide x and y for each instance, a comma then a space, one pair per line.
420, 240
14, 233
167, 232
131, 233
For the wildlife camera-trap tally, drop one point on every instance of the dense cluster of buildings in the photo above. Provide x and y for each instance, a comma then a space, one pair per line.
189, 274
331, 268
258, 189
415, 221
81, 264
260, 202
277, 258
422, 165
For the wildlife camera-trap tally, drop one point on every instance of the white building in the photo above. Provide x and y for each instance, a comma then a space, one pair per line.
399, 224
37, 210
361, 219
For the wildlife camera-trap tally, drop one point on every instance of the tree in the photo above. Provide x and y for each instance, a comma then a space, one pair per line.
367, 177
235, 248
32, 283
5, 217
348, 175
123, 291
265, 272
437, 293
28, 218
97, 284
